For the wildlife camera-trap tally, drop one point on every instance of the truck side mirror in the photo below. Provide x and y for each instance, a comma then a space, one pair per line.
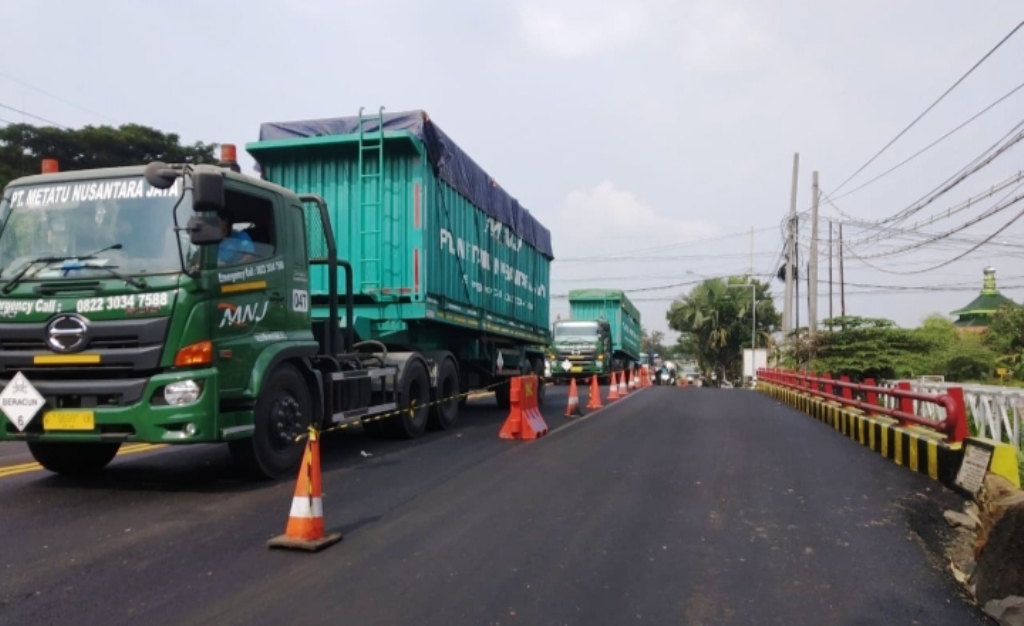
207, 191
160, 175
204, 230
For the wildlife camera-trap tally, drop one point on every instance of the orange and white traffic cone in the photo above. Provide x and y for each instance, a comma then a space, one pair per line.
632, 380
613, 389
623, 387
573, 409
305, 530
594, 402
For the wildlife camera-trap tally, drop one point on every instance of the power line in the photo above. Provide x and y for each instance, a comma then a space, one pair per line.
983, 160
996, 208
27, 114
56, 97
929, 146
948, 213
958, 257
616, 255
884, 291
930, 107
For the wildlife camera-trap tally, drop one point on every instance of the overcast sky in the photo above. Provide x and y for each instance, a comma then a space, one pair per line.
662, 130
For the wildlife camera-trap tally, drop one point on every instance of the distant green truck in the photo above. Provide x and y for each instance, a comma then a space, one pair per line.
374, 270
602, 335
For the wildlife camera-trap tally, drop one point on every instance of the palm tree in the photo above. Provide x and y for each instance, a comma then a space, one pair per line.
715, 319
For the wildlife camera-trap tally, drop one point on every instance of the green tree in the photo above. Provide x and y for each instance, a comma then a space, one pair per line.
714, 321
864, 347
23, 146
1005, 335
956, 356
653, 342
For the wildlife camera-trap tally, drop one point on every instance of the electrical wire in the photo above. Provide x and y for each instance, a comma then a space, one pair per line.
27, 114
958, 257
997, 149
931, 106
1000, 206
56, 97
929, 146
616, 255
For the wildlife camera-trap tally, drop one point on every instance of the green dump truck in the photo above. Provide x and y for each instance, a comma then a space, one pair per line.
375, 269
602, 335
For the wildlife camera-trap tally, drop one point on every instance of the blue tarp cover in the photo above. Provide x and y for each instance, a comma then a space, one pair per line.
449, 161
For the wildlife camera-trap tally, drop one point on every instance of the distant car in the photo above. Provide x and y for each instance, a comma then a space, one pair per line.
726, 384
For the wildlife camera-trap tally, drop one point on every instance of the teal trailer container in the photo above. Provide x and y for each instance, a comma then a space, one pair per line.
613, 306
442, 256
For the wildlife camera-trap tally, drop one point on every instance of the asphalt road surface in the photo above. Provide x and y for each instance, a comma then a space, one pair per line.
673, 506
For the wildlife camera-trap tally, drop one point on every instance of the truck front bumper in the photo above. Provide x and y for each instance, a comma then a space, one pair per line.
578, 370
149, 419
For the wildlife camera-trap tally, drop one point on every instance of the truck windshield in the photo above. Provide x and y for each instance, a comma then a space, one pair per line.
580, 329
78, 218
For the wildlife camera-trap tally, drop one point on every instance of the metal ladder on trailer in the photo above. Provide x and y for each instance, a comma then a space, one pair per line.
371, 202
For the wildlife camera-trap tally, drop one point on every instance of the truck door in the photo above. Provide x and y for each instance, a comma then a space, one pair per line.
251, 307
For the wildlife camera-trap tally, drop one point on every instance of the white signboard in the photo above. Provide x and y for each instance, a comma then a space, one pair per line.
754, 360
971, 476
20, 401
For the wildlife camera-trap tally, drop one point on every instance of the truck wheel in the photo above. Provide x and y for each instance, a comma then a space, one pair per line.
74, 459
284, 410
503, 394
414, 391
537, 369
444, 415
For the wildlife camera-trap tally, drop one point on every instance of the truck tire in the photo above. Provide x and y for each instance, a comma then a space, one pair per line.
414, 391
537, 369
444, 414
503, 394
73, 459
284, 410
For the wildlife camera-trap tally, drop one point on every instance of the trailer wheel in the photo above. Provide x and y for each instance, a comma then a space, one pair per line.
537, 369
444, 415
73, 459
414, 390
284, 410
503, 394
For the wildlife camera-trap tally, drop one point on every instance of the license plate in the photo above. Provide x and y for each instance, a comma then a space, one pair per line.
69, 420
577, 369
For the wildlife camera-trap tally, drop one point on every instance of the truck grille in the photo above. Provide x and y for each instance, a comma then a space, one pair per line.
125, 348
576, 356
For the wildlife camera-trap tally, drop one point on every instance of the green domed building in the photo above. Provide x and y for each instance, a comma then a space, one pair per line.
976, 316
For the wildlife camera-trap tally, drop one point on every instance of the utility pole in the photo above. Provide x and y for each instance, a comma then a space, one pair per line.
787, 308
830, 314
842, 282
796, 272
812, 273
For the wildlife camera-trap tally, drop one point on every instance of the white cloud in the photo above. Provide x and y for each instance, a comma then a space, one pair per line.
704, 35
720, 36
579, 28
607, 214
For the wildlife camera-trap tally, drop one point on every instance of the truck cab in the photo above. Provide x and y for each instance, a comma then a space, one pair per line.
581, 349
170, 304
118, 325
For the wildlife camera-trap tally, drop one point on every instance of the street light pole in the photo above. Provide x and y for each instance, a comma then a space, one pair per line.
753, 320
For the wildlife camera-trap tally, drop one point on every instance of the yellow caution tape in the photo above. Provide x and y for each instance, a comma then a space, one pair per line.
411, 410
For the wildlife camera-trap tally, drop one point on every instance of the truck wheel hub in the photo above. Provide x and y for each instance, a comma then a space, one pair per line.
287, 419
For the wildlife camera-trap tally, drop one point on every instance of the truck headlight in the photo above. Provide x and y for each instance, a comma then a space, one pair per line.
182, 392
